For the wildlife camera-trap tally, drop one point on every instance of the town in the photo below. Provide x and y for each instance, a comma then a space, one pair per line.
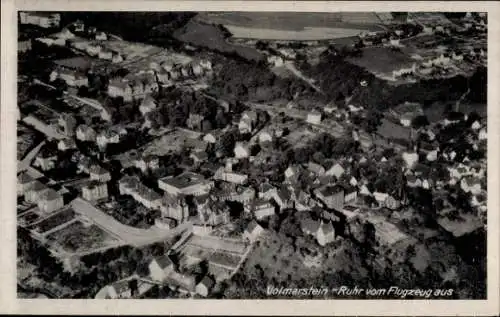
173, 167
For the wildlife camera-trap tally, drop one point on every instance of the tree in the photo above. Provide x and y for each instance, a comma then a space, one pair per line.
420, 121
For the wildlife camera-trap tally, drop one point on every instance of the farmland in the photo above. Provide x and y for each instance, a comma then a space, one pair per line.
379, 60
211, 37
294, 21
291, 26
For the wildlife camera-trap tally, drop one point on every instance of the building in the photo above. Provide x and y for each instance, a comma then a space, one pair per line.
72, 78
310, 226
68, 124
46, 161
350, 194
315, 168
194, 121
24, 46
99, 173
241, 150
34, 191
174, 207
50, 200
325, 233
186, 184
198, 156
231, 177
147, 162
85, 133
410, 159
24, 182
253, 231
45, 20
120, 88
314, 117
471, 184
110, 136
261, 208
101, 36
205, 286
267, 191
336, 170
66, 144
160, 267
148, 104
331, 195
95, 191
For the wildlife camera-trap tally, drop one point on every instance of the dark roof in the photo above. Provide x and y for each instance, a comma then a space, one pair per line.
310, 225
252, 226
208, 282
50, 194
24, 178
184, 180
330, 190
96, 169
163, 261
327, 227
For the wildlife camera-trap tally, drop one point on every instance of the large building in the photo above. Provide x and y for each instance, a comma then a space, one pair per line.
95, 191
186, 184
331, 195
50, 200
42, 19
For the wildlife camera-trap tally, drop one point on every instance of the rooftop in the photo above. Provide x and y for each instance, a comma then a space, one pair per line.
184, 180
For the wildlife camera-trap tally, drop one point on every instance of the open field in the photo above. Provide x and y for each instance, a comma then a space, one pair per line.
294, 21
306, 34
379, 60
168, 143
79, 237
211, 37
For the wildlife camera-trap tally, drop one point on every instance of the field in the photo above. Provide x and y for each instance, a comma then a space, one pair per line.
378, 60
293, 21
211, 37
292, 26
79, 237
54, 221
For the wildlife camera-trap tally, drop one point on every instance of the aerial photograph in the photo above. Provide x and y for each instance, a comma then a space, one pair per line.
251, 155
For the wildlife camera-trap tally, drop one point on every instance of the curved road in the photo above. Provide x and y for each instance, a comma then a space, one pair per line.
129, 235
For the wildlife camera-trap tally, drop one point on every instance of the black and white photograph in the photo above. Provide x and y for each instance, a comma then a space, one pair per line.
252, 155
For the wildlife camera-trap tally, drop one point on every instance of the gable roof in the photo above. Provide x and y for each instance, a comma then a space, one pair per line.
163, 261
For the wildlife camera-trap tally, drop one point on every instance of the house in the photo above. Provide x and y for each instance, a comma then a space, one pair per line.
67, 122
34, 191
261, 208
46, 161
174, 207
105, 54
66, 144
314, 117
353, 181
412, 181
94, 191
147, 162
101, 36
406, 119
310, 226
265, 137
483, 135
73, 78
350, 194
283, 198
110, 136
267, 191
205, 286
315, 168
186, 184
24, 46
50, 200
93, 48
24, 182
231, 177
325, 233
120, 88
198, 156
471, 184
410, 159
147, 197
99, 173
386, 200
245, 125
85, 133
331, 195
241, 150
336, 170
160, 267
194, 121
293, 172
212, 137
253, 231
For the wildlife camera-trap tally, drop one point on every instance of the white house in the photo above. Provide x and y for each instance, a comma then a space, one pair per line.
410, 159
253, 231
241, 150
160, 268
314, 117
471, 184
336, 170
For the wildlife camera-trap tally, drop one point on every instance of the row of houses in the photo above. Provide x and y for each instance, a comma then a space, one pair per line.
34, 191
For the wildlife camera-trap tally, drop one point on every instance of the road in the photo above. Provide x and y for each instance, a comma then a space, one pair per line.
130, 235
291, 67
